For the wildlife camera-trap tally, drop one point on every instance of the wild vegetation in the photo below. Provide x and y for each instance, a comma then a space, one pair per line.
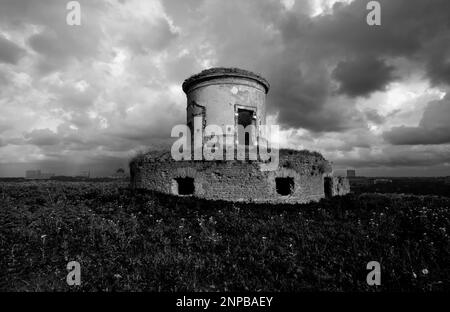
128, 241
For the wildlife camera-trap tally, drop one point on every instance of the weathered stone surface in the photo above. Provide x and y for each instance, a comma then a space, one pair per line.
336, 186
218, 94
238, 180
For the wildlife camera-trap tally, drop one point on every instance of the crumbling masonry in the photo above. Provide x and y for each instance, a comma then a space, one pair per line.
231, 96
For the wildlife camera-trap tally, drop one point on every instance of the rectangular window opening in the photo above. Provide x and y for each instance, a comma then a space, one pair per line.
284, 186
185, 186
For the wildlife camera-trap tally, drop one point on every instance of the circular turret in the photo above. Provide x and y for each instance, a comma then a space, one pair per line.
228, 98
221, 72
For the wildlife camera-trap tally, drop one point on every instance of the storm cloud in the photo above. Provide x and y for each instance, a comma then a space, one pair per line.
9, 51
365, 96
363, 76
434, 127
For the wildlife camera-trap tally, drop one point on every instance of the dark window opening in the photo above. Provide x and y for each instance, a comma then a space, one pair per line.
285, 186
245, 118
185, 186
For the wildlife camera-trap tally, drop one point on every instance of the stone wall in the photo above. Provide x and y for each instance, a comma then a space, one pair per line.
341, 186
237, 180
336, 186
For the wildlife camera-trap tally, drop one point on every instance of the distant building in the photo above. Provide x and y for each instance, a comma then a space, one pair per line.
351, 173
37, 174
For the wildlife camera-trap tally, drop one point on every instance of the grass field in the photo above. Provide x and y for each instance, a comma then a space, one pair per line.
154, 242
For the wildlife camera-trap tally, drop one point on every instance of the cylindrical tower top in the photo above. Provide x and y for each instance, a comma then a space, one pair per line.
230, 98
223, 72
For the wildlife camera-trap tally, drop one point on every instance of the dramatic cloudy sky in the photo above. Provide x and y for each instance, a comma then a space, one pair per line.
74, 98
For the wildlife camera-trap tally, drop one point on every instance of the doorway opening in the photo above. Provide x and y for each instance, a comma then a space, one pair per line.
245, 118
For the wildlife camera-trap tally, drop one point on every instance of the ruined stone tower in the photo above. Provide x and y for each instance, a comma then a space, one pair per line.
224, 97
228, 98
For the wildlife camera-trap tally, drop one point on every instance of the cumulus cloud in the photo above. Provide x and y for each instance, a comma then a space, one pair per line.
297, 52
9, 51
434, 127
41, 137
363, 76
148, 37
373, 116
99, 92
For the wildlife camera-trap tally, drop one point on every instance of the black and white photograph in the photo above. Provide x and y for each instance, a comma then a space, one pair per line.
225, 152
